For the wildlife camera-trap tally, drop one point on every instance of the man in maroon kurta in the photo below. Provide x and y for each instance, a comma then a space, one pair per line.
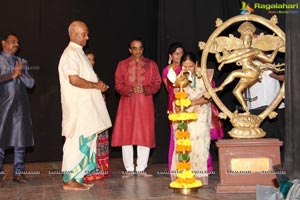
137, 78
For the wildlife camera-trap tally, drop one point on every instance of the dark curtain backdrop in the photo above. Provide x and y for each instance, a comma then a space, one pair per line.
42, 29
187, 22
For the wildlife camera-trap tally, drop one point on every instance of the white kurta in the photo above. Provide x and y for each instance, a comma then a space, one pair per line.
84, 110
264, 91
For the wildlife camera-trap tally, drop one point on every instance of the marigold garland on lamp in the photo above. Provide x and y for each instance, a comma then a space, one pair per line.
185, 181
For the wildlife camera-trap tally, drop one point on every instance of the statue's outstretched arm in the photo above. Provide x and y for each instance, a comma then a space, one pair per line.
270, 59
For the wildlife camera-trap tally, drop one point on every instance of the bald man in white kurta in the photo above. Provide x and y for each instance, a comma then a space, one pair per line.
83, 108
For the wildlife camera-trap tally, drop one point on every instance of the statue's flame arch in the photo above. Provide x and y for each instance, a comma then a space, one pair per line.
270, 24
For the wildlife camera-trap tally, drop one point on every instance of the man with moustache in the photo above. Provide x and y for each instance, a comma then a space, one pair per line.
15, 121
137, 79
83, 108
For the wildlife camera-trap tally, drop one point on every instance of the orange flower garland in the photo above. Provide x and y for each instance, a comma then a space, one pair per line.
180, 95
182, 148
183, 166
186, 180
182, 134
185, 177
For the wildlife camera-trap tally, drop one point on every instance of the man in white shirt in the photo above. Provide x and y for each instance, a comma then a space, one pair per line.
83, 108
260, 96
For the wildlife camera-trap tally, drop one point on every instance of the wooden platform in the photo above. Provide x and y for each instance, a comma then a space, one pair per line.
45, 185
245, 163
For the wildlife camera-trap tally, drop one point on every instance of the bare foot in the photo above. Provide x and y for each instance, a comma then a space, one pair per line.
90, 185
144, 174
74, 185
127, 175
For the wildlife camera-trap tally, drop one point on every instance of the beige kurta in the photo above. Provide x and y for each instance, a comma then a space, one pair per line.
84, 110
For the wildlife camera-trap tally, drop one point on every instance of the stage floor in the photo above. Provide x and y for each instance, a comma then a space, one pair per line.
45, 184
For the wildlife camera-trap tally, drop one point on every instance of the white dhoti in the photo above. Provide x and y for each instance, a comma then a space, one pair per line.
84, 114
77, 163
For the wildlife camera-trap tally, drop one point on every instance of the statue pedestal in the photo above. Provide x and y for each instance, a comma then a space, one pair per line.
245, 163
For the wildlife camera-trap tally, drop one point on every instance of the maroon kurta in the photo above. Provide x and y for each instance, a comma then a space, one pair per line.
134, 124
